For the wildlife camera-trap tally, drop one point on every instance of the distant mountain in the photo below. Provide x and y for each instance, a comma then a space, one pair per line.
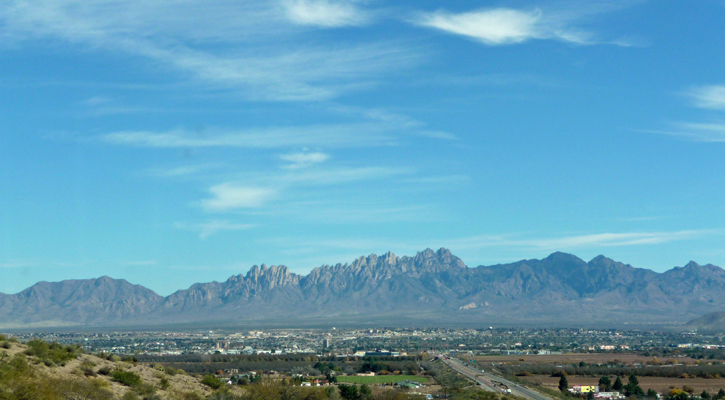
708, 323
431, 288
76, 302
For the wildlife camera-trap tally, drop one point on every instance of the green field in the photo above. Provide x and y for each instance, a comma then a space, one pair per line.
381, 379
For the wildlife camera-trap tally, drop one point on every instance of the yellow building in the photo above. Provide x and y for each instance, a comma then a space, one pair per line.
585, 389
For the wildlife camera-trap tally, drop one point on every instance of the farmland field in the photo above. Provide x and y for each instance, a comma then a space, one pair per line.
591, 358
381, 379
661, 385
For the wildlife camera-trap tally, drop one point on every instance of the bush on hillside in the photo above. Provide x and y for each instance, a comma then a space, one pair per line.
52, 353
127, 378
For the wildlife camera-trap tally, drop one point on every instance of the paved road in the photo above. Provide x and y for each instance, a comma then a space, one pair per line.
485, 380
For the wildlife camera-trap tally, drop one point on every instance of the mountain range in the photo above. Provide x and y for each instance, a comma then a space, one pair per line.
433, 288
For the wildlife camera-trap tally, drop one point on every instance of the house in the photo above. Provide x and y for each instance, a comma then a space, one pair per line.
579, 389
408, 384
608, 395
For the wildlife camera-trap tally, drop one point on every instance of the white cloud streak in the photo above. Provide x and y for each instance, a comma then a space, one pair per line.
325, 13
210, 228
180, 171
712, 96
579, 241
697, 131
437, 135
231, 196
235, 45
303, 160
340, 135
503, 26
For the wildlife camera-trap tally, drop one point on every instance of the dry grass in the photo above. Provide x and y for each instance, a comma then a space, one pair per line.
79, 369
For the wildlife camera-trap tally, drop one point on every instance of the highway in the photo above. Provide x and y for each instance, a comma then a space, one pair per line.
486, 380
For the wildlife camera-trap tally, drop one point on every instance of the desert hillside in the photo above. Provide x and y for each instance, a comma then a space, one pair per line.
41, 370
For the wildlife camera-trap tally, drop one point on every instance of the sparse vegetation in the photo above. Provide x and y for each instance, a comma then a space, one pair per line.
212, 381
127, 378
52, 353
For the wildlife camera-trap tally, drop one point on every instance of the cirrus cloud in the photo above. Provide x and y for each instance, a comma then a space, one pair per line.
230, 196
209, 228
501, 26
304, 159
711, 96
324, 13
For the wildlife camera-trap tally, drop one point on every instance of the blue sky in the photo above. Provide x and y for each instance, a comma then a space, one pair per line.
182, 141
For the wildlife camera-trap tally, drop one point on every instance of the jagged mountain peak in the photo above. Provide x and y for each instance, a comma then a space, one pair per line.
431, 283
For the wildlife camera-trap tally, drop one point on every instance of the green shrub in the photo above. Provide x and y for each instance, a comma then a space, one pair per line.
52, 353
130, 396
145, 390
212, 381
5, 344
87, 368
189, 396
104, 370
127, 378
164, 383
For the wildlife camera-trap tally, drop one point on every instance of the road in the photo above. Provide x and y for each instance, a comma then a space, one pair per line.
485, 380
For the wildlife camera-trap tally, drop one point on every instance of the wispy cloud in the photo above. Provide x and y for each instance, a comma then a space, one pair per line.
231, 196
325, 13
304, 159
395, 121
712, 96
712, 132
19, 264
209, 228
258, 190
578, 241
332, 135
501, 26
437, 135
234, 45
333, 176
708, 97
183, 170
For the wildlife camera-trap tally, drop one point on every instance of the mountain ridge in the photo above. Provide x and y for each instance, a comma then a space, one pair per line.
431, 287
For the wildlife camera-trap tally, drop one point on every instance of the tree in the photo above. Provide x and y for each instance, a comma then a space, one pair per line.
348, 392
652, 394
721, 394
590, 395
705, 395
618, 385
605, 384
365, 392
632, 388
563, 384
